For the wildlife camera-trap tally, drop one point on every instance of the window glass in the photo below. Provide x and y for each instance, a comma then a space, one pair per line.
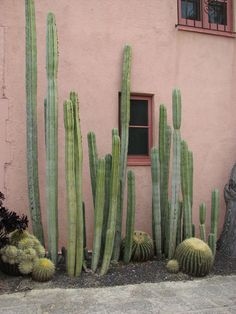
139, 112
138, 141
190, 9
217, 12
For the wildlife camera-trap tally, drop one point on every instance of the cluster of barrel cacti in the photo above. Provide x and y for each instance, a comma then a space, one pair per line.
172, 219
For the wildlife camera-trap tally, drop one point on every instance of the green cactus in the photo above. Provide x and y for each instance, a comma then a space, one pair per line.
78, 163
195, 257
185, 173
215, 207
93, 157
125, 117
31, 109
52, 138
114, 190
43, 270
179, 224
212, 243
190, 168
142, 247
176, 108
202, 220
98, 210
172, 266
130, 218
25, 267
156, 206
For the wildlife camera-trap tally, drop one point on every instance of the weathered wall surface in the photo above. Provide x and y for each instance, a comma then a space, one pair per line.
91, 38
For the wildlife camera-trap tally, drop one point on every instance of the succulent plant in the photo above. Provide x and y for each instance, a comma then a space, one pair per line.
142, 247
18, 235
25, 267
43, 270
195, 257
172, 266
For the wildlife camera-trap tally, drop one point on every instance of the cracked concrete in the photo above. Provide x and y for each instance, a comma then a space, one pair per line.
211, 295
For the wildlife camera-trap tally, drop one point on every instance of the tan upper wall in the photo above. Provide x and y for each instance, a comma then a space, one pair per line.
91, 38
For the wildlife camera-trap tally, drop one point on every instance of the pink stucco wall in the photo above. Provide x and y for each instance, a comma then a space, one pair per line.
91, 38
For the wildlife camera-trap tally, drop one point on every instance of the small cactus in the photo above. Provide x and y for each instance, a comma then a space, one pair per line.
43, 270
25, 267
172, 266
195, 257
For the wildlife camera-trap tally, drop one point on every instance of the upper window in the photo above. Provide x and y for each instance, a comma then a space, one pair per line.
211, 15
140, 129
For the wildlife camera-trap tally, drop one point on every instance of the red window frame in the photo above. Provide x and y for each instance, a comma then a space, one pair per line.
203, 25
143, 160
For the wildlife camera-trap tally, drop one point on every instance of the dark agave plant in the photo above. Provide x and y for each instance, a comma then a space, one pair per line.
9, 221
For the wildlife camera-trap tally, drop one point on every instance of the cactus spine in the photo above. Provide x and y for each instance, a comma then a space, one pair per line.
156, 208
31, 108
98, 212
93, 156
175, 186
130, 217
52, 138
125, 117
215, 206
78, 157
202, 220
114, 189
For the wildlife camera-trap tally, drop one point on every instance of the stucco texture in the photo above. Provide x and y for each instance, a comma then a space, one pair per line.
92, 35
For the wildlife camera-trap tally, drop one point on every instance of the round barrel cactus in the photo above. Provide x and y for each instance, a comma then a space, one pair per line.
142, 247
172, 266
195, 257
43, 270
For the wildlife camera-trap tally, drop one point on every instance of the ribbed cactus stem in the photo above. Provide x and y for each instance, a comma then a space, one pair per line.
78, 156
156, 205
175, 188
130, 218
52, 138
212, 243
179, 225
31, 109
93, 157
98, 212
70, 186
215, 207
125, 118
176, 108
187, 210
202, 220
190, 167
114, 189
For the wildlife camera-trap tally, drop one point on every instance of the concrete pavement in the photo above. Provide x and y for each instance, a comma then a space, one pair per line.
210, 295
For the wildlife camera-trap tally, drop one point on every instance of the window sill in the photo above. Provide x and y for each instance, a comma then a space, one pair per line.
205, 31
139, 161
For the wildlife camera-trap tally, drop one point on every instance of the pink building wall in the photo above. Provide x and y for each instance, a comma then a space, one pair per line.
91, 38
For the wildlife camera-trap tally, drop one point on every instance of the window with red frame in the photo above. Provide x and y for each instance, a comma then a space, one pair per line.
212, 15
140, 129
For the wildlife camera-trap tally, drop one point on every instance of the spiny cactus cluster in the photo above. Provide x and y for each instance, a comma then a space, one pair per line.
195, 257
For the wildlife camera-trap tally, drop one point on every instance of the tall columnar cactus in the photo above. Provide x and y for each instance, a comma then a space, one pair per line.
78, 157
98, 212
156, 206
114, 191
215, 206
125, 117
202, 220
190, 167
52, 137
164, 158
93, 157
71, 187
130, 218
187, 210
175, 186
31, 108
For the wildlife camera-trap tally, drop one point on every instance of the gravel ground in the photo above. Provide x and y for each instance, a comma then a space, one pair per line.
134, 273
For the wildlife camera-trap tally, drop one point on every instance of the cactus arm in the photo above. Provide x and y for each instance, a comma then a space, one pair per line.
31, 108
156, 207
179, 225
125, 118
98, 212
70, 185
130, 217
78, 157
52, 138
114, 189
215, 206
190, 165
212, 243
93, 156
202, 220
176, 108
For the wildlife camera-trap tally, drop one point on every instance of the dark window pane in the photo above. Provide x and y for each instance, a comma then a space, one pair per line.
190, 9
138, 112
217, 12
138, 141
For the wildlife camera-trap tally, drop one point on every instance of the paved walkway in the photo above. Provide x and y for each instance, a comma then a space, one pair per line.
213, 295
